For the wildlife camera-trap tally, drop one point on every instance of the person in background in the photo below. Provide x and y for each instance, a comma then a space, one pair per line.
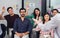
35, 16
0, 31
10, 18
22, 25
48, 34
3, 25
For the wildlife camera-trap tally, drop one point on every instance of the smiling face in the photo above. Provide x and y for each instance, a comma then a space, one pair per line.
46, 17
54, 12
10, 11
37, 12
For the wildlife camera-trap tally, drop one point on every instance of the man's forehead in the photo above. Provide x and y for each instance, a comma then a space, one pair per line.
22, 10
10, 9
54, 11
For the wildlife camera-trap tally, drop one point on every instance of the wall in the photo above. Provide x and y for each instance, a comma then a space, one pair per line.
32, 4
16, 4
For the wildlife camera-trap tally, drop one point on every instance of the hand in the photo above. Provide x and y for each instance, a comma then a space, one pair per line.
3, 9
34, 20
25, 33
19, 34
27, 8
40, 20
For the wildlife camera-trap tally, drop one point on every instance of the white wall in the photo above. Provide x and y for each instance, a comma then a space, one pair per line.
32, 4
55, 3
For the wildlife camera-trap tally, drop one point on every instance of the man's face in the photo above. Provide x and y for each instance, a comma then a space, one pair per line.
10, 11
54, 12
22, 13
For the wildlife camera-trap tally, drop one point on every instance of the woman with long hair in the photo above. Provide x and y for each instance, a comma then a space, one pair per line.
35, 16
48, 34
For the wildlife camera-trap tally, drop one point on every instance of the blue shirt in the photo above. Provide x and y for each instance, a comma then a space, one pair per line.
22, 26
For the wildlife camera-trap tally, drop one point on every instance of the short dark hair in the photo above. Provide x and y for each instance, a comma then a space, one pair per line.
9, 8
22, 9
54, 10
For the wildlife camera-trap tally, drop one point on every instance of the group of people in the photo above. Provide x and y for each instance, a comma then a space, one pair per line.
30, 26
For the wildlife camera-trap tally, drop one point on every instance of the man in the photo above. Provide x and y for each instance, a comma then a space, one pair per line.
22, 25
10, 20
54, 23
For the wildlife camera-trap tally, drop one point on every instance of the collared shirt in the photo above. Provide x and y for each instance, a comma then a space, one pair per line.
22, 26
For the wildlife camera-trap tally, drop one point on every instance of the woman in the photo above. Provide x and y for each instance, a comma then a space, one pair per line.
35, 16
48, 34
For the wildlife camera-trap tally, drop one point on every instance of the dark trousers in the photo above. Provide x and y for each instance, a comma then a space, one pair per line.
1, 36
12, 36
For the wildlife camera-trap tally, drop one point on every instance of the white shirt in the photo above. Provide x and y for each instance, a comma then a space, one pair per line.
52, 24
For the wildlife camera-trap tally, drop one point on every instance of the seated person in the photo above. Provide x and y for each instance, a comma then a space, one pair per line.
22, 25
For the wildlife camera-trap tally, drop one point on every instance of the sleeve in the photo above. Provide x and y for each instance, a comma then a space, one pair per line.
30, 26
15, 26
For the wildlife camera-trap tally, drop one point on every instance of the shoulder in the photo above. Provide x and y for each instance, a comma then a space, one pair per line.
27, 19
17, 19
6, 16
16, 14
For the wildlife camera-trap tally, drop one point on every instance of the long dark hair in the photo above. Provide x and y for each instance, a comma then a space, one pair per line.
44, 19
34, 12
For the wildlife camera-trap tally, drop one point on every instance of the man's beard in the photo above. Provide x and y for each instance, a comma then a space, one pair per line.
23, 15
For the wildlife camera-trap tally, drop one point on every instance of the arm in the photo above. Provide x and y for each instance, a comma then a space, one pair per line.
52, 33
15, 26
27, 8
3, 10
30, 26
